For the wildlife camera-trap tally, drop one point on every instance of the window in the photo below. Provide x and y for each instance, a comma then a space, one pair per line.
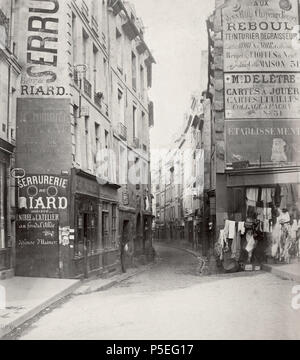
74, 39
106, 139
114, 226
142, 82
123, 166
135, 125
119, 45
87, 142
121, 107
3, 206
85, 53
133, 70
97, 140
95, 67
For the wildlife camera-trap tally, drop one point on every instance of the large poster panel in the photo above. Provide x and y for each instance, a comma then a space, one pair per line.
273, 142
42, 203
260, 35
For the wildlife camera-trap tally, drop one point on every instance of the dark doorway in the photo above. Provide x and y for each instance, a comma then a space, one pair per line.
125, 247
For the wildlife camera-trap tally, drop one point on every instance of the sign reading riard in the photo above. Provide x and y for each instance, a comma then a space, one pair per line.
260, 35
43, 48
262, 95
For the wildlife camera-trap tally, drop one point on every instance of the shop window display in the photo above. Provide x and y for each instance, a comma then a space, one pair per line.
263, 225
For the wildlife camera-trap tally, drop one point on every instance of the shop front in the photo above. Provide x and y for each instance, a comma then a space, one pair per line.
263, 222
95, 248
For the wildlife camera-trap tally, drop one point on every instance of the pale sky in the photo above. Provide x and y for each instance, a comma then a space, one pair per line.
176, 34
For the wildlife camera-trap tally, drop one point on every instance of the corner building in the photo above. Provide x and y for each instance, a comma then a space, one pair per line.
255, 126
68, 135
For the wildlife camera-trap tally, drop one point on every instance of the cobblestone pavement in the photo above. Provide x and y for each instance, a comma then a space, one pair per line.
171, 302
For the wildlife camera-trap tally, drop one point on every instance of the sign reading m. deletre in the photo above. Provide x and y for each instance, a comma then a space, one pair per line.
258, 35
262, 96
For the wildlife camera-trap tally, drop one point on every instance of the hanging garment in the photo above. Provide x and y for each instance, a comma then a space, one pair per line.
266, 226
252, 196
250, 243
260, 214
284, 197
236, 247
226, 229
284, 218
294, 230
266, 196
232, 230
276, 234
241, 228
277, 197
267, 213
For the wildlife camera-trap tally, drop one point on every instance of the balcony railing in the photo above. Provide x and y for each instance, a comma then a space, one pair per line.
98, 100
85, 10
95, 26
87, 86
123, 131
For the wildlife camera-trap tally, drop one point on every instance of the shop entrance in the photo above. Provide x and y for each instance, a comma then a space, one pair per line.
86, 246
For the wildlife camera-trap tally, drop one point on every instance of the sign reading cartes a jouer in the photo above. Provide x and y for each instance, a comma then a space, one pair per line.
262, 95
43, 48
261, 35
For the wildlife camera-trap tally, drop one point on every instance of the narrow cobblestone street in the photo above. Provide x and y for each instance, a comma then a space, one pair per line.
171, 302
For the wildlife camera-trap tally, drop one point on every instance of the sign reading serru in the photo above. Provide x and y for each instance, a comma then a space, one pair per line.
259, 35
43, 48
262, 95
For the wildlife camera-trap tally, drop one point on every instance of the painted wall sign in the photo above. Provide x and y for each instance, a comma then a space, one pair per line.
271, 141
259, 35
44, 141
43, 48
42, 199
262, 95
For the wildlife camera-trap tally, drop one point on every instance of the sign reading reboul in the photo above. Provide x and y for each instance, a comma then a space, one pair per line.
43, 48
259, 35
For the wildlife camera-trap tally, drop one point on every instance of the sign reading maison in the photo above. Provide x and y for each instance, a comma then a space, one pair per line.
259, 35
262, 96
43, 48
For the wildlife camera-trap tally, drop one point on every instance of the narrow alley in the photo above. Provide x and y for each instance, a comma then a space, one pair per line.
171, 301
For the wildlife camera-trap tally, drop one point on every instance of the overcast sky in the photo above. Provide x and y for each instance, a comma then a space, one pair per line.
176, 33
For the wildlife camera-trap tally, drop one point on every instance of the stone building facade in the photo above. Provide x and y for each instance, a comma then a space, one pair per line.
83, 119
255, 117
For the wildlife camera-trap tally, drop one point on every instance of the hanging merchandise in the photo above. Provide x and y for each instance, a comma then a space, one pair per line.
232, 230
251, 244
241, 228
